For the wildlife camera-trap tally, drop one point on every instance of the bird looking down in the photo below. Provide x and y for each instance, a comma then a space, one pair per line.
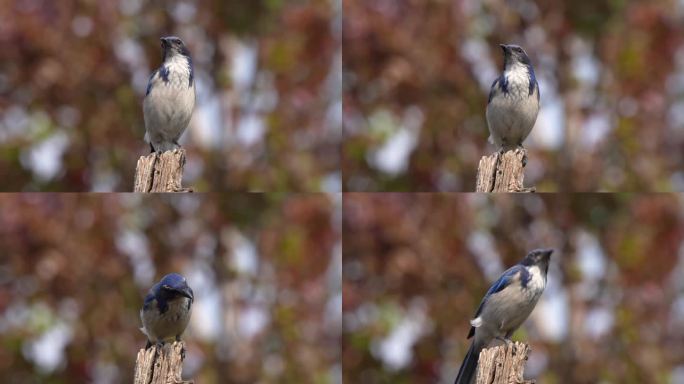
166, 311
513, 100
505, 306
170, 97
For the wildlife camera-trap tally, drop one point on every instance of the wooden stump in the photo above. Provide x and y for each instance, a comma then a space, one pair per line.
160, 364
502, 172
160, 173
503, 364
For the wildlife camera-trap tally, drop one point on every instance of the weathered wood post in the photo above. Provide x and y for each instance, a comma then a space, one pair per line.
160, 364
503, 364
502, 172
160, 173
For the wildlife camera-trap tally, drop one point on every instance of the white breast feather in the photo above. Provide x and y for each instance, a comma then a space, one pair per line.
537, 282
518, 80
179, 72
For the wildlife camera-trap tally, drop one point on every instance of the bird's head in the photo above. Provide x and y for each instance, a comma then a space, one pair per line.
174, 285
514, 54
171, 46
538, 257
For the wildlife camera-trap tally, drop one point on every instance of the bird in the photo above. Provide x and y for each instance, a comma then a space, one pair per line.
505, 306
166, 310
513, 102
170, 97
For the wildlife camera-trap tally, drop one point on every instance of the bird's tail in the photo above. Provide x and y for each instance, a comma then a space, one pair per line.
469, 366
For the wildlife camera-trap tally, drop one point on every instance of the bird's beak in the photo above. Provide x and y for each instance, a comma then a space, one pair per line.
547, 253
504, 47
186, 292
164, 43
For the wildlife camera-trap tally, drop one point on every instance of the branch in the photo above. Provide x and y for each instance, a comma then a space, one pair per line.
503, 364
160, 364
502, 172
160, 173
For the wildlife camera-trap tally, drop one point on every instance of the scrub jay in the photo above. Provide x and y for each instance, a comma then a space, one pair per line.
505, 306
166, 310
170, 97
513, 100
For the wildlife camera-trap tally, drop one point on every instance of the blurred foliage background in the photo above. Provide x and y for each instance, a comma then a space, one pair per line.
417, 75
265, 269
417, 265
73, 75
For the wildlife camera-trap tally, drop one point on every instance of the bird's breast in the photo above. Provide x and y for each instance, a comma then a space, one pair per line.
518, 84
535, 284
172, 321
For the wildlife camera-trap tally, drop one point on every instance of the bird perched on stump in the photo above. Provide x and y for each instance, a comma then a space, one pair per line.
170, 97
166, 311
513, 100
505, 306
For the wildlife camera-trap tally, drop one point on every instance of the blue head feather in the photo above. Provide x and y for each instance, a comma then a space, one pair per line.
170, 287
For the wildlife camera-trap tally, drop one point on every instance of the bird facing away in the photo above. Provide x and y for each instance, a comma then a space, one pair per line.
170, 97
513, 100
166, 310
505, 306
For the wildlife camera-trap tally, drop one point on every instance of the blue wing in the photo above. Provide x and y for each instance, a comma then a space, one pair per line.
149, 82
148, 301
500, 85
151, 297
533, 81
492, 90
501, 283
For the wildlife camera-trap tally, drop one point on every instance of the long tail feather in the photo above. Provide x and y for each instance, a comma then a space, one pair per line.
469, 366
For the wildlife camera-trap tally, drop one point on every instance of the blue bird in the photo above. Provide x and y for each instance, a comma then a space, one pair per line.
170, 97
513, 100
166, 311
507, 304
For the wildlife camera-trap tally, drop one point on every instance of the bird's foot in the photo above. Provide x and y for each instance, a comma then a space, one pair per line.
520, 148
505, 340
157, 344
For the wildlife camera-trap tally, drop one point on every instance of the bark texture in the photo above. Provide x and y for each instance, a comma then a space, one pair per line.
502, 172
160, 173
161, 364
503, 364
